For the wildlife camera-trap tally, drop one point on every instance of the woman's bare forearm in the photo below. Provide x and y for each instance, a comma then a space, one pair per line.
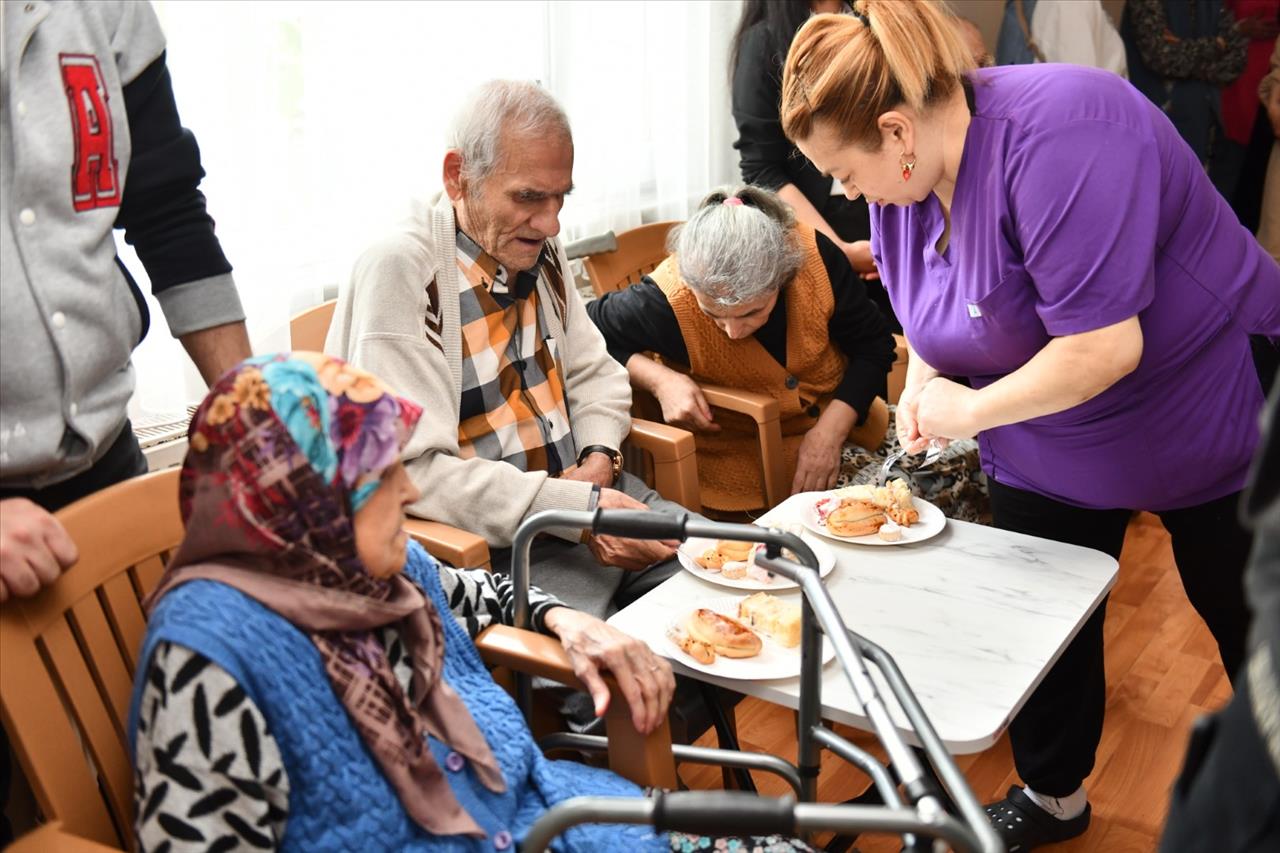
1068, 371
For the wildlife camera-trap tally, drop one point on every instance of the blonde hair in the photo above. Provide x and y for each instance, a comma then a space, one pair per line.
848, 70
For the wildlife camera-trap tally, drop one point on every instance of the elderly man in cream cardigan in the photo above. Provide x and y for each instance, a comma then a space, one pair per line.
469, 309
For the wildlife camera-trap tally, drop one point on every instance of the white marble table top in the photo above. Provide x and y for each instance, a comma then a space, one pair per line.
974, 617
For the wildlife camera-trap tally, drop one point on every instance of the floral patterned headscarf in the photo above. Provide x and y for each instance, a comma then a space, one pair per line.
282, 453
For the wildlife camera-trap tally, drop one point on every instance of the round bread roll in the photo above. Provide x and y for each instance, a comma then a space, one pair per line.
726, 636
855, 518
731, 549
711, 559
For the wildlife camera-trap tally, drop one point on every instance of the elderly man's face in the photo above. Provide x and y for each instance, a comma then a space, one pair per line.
516, 208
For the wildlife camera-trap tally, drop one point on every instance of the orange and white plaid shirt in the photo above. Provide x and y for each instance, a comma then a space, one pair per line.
513, 405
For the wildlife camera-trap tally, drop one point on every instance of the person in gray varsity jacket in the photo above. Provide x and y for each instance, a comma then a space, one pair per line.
90, 141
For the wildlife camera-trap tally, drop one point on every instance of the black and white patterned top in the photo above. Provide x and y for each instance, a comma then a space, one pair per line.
208, 772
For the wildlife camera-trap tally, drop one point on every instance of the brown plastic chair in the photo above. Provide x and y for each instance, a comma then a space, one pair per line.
68, 658
309, 328
639, 251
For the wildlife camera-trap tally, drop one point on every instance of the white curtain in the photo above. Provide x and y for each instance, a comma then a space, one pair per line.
319, 122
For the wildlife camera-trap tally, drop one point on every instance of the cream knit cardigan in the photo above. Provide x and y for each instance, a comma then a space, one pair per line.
385, 323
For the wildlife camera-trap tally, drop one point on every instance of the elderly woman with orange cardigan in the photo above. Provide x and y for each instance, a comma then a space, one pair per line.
753, 299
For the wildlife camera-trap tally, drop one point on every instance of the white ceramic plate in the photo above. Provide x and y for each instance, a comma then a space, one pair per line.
694, 547
774, 660
930, 524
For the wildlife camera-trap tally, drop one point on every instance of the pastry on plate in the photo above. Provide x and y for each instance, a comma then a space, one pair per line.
732, 549
711, 560
696, 649
903, 515
894, 499
773, 616
855, 518
725, 635
725, 551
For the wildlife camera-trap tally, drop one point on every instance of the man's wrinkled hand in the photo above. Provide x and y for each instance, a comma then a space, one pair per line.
596, 468
34, 548
593, 646
632, 555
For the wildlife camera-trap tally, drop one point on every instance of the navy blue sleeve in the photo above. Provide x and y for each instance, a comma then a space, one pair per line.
756, 92
639, 319
163, 211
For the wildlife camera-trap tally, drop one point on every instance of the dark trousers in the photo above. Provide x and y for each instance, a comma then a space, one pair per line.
1056, 734
122, 460
1227, 799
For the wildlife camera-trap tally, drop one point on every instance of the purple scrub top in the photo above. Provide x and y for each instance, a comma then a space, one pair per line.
1077, 205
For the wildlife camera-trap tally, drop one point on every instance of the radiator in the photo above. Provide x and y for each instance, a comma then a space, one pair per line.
163, 438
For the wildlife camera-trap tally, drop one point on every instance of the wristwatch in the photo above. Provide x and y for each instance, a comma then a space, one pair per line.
615, 455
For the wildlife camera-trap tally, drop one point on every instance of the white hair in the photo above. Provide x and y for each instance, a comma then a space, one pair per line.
497, 110
738, 252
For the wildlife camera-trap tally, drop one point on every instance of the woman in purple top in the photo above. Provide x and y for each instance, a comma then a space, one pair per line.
1049, 238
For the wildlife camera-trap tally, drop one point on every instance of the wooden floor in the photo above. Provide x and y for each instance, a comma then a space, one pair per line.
1162, 672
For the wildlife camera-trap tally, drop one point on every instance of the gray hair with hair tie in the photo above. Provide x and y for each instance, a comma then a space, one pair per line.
737, 252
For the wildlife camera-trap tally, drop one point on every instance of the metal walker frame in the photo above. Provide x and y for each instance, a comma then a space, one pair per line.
913, 807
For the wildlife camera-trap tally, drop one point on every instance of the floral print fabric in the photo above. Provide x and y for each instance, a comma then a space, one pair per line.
283, 452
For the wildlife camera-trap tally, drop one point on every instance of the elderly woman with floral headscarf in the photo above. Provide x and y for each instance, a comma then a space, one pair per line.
298, 686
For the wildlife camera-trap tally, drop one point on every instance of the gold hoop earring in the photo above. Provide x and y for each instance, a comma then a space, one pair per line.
908, 166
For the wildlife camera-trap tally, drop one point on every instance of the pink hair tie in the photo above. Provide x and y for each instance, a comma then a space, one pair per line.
732, 200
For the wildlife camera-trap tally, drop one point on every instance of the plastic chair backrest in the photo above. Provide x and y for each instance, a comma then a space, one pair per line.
639, 251
308, 329
68, 657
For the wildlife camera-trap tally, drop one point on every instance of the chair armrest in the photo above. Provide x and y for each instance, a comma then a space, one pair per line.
766, 412
451, 544
645, 760
675, 467
52, 838
871, 434
525, 651
761, 408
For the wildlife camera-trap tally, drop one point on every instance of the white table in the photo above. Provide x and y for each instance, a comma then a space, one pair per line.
974, 617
